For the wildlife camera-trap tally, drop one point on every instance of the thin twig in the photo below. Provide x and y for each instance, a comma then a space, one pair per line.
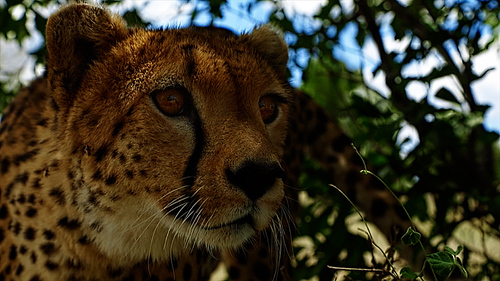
356, 269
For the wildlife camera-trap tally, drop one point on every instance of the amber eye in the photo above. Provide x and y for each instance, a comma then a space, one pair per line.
171, 102
268, 109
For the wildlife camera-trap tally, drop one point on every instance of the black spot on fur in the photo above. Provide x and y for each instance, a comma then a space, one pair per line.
77, 184
129, 174
33, 258
4, 165
42, 122
36, 184
84, 240
31, 199
29, 234
31, 212
101, 153
16, 228
35, 278
2, 235
122, 158
3, 212
51, 265
22, 178
22, 250
8, 190
110, 180
97, 175
48, 248
21, 199
68, 223
18, 159
19, 270
58, 195
97, 226
92, 199
13, 252
137, 158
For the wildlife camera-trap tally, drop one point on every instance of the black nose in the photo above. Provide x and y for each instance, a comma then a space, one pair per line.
255, 178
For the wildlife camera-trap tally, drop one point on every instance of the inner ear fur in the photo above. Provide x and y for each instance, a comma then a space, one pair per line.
77, 35
269, 44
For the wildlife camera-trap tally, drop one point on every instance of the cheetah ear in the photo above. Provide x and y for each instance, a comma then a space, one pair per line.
78, 35
269, 43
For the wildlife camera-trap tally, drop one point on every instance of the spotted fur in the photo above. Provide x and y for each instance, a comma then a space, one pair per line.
99, 182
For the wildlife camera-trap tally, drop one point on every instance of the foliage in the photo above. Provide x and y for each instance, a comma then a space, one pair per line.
454, 166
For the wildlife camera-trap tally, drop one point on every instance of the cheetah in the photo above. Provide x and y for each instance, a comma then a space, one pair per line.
157, 154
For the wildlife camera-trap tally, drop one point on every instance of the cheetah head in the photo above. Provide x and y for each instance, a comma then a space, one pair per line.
174, 137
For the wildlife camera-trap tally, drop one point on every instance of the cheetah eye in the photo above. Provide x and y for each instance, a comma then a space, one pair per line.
268, 107
171, 102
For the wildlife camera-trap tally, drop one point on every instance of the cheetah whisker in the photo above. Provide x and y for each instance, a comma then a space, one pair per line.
136, 223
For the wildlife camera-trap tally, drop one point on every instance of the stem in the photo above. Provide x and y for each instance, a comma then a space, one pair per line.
356, 269
366, 171
366, 225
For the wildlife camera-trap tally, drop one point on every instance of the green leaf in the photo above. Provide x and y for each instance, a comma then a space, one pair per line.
441, 262
406, 272
411, 237
450, 250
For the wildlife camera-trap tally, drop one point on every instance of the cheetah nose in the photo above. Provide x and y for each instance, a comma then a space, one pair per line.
255, 178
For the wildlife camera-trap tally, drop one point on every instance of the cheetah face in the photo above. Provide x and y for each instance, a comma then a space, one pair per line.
174, 137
